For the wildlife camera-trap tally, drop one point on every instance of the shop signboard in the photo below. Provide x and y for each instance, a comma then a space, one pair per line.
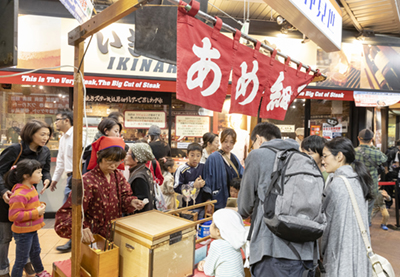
326, 94
65, 80
375, 99
321, 21
80, 9
36, 104
191, 126
144, 119
286, 128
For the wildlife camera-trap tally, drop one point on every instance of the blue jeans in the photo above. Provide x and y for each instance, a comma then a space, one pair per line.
5, 239
276, 267
67, 189
27, 246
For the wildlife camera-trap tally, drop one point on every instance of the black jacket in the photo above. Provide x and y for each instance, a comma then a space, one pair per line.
8, 157
141, 182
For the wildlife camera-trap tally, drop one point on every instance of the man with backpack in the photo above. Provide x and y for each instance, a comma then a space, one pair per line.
277, 251
373, 159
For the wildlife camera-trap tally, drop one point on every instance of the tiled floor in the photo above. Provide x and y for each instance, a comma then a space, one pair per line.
385, 243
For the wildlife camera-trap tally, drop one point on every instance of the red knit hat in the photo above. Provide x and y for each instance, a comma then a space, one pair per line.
104, 143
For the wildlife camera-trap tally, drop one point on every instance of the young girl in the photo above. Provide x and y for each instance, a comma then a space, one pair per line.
224, 256
27, 214
168, 168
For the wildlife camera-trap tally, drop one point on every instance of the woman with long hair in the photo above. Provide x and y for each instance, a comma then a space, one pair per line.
34, 137
343, 249
221, 167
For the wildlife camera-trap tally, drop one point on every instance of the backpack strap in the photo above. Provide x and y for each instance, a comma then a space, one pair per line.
365, 155
315, 258
253, 217
19, 155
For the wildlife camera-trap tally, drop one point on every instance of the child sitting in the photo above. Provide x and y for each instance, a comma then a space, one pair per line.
190, 174
27, 214
234, 187
168, 167
224, 256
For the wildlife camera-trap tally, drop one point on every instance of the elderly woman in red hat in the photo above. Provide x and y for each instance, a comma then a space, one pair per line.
107, 194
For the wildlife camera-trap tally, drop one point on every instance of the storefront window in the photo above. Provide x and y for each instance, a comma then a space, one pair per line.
294, 119
21, 103
329, 119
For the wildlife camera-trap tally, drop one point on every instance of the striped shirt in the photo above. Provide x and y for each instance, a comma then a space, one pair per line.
23, 212
223, 260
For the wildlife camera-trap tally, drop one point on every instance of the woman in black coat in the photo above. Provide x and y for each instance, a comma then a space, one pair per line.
34, 137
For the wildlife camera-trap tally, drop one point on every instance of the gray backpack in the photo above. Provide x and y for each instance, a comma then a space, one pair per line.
293, 202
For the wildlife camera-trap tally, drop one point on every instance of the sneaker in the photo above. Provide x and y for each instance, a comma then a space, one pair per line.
29, 269
44, 273
384, 227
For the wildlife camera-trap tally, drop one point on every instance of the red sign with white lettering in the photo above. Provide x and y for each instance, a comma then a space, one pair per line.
249, 78
204, 60
64, 80
285, 84
326, 94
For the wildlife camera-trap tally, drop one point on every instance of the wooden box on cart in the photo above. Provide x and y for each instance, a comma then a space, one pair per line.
155, 244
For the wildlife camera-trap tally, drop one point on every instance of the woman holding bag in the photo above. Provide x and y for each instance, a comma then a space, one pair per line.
343, 249
34, 137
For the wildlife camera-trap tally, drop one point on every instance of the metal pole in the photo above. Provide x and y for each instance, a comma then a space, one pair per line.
396, 202
208, 17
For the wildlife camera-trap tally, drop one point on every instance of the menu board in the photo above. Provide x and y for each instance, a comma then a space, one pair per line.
191, 126
144, 119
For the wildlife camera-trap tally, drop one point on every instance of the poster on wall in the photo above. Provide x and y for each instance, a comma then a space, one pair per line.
329, 131
144, 119
315, 130
191, 126
375, 99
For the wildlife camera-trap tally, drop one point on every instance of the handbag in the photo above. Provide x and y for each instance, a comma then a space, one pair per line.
159, 198
380, 266
5, 176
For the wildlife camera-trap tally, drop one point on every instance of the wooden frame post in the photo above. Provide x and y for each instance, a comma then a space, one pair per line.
76, 166
76, 38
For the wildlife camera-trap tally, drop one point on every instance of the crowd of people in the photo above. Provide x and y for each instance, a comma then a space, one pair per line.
122, 179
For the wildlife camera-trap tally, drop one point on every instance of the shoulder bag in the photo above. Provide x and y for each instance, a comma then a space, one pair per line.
380, 266
5, 176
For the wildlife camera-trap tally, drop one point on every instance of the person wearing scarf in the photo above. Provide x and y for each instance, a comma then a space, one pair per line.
107, 194
224, 256
140, 177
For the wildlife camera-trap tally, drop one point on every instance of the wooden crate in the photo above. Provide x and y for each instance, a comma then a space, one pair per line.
154, 244
100, 264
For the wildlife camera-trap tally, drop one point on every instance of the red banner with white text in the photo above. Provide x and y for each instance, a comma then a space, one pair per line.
204, 60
